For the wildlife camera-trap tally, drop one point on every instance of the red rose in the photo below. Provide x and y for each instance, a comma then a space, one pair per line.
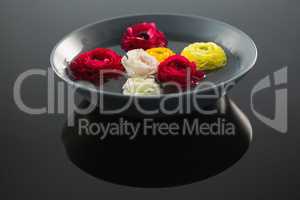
180, 70
87, 66
143, 36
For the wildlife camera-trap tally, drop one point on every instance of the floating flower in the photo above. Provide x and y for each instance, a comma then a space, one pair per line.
206, 55
143, 36
180, 70
160, 53
141, 86
87, 66
138, 62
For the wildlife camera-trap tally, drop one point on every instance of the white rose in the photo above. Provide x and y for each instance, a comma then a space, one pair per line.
138, 62
141, 86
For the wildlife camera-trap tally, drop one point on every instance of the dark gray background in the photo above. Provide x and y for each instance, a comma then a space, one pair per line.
33, 164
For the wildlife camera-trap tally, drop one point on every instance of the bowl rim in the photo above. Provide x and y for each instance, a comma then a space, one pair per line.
193, 91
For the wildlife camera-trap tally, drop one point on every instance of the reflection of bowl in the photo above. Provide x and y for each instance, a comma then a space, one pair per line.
154, 160
180, 31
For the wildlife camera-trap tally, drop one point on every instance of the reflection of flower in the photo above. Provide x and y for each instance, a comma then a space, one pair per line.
160, 53
141, 86
143, 36
138, 62
87, 66
206, 55
180, 70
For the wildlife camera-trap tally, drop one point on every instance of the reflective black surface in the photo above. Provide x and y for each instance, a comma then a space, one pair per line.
34, 163
152, 159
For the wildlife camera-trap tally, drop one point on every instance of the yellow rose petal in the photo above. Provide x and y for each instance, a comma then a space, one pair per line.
160, 53
206, 55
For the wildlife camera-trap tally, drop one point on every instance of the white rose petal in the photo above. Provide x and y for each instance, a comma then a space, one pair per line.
138, 63
141, 86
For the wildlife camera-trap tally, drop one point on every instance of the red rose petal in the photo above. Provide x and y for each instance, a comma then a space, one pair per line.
143, 36
87, 66
180, 70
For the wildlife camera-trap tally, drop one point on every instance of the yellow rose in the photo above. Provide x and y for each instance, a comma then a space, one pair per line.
160, 53
206, 55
